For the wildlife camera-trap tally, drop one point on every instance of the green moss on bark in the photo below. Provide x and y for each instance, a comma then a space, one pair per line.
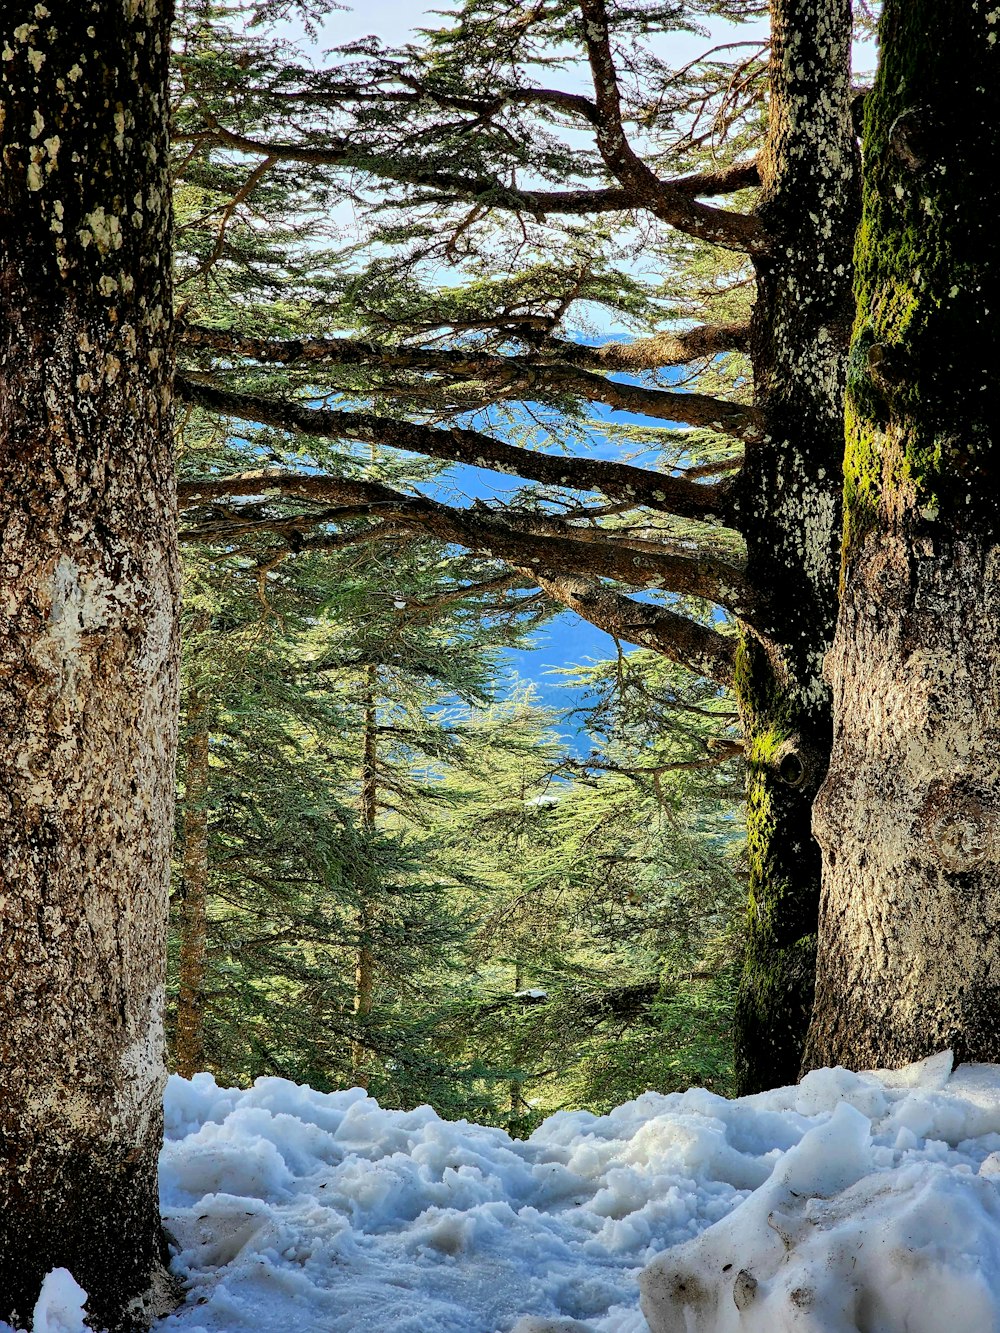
923, 389
776, 987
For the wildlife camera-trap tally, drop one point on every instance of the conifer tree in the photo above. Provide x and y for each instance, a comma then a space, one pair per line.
489, 179
312, 910
605, 949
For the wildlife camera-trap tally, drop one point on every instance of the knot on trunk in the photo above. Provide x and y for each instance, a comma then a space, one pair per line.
798, 764
912, 138
961, 827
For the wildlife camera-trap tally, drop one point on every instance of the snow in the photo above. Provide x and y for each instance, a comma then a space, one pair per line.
60, 1304
851, 1202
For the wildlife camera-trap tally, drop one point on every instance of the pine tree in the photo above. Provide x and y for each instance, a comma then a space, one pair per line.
606, 949
319, 916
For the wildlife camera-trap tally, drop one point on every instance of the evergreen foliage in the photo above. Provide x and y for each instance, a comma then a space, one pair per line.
463, 859
607, 947
403, 254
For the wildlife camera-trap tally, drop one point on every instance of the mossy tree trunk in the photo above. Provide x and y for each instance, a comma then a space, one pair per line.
790, 508
909, 816
88, 647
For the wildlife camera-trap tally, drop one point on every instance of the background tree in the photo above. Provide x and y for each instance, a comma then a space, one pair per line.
605, 951
88, 646
566, 190
314, 931
908, 816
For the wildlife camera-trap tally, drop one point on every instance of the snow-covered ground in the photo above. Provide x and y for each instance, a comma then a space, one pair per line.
851, 1202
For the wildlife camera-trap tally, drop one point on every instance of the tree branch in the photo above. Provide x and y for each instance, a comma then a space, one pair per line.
674, 205
485, 531
662, 349
739, 176
702, 650
735, 231
619, 481
511, 376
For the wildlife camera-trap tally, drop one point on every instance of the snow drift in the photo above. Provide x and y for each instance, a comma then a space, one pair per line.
851, 1202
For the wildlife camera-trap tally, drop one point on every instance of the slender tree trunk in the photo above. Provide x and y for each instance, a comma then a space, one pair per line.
189, 1044
790, 503
88, 649
364, 968
909, 816
516, 1088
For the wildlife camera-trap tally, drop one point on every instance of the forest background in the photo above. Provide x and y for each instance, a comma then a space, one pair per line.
395, 867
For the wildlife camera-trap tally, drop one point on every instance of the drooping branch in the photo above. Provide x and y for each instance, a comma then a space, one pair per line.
701, 649
483, 530
506, 376
674, 204
619, 481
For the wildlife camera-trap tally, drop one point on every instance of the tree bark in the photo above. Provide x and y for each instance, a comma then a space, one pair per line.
88, 649
909, 816
189, 1043
790, 507
364, 967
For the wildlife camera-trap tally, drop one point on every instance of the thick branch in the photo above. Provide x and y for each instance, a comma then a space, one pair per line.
619, 481
662, 349
713, 469
736, 231
511, 376
739, 176
675, 205
486, 531
702, 650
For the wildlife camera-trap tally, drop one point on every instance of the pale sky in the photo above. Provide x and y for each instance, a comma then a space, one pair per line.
393, 20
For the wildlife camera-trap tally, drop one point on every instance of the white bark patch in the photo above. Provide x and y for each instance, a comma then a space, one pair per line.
143, 1072
81, 604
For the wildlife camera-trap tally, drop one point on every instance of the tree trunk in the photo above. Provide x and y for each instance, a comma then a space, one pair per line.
88, 647
189, 1043
364, 968
790, 507
909, 816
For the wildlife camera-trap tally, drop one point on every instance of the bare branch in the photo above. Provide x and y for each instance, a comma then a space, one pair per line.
227, 211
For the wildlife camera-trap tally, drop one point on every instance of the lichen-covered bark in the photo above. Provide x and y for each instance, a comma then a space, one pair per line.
790, 508
909, 816
87, 645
